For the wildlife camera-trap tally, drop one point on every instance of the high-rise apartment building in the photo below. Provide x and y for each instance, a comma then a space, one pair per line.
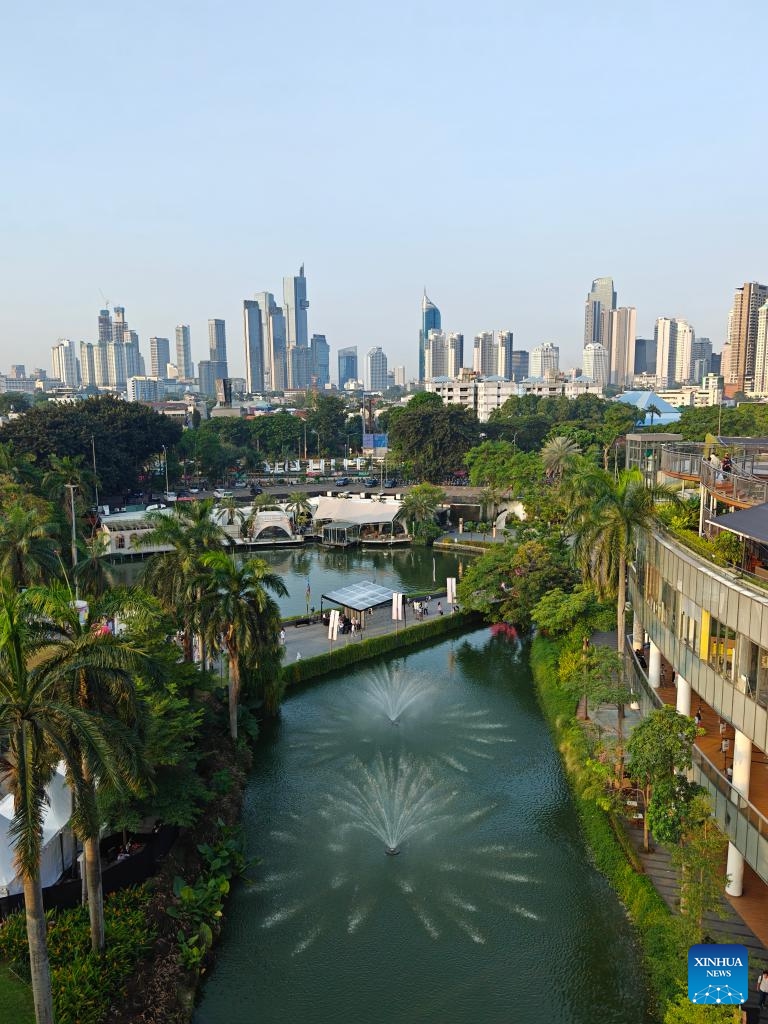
101, 376
347, 365
674, 339
430, 321
184, 363
376, 370
619, 331
761, 351
443, 354
116, 368
701, 358
159, 357
206, 375
504, 340
602, 297
398, 375
253, 336
485, 356
134, 361
596, 363
300, 367
88, 363
18, 371
64, 362
645, 355
320, 360
545, 360
742, 335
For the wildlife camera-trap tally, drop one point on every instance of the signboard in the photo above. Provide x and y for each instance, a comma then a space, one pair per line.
375, 441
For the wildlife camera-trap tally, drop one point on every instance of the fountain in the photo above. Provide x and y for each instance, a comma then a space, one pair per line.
394, 691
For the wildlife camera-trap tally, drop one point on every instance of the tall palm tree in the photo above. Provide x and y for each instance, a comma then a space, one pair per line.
605, 519
41, 726
654, 410
420, 505
63, 473
18, 467
240, 617
97, 670
173, 576
93, 573
27, 546
559, 456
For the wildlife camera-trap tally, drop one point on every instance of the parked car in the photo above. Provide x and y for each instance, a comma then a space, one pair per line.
155, 506
342, 481
170, 495
221, 493
255, 489
370, 481
390, 482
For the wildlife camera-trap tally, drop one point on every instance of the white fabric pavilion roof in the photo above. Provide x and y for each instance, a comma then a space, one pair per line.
354, 510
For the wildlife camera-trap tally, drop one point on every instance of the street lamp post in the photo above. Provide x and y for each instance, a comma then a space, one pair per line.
71, 489
165, 460
95, 477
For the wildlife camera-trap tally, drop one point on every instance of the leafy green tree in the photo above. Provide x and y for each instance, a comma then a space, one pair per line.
41, 725
594, 672
240, 618
508, 581
682, 1011
561, 613
431, 436
173, 576
126, 435
14, 401
327, 418
299, 507
699, 856
659, 748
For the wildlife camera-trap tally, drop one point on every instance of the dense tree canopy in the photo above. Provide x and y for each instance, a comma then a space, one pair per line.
431, 436
126, 436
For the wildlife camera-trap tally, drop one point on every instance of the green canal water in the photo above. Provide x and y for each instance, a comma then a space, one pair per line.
489, 912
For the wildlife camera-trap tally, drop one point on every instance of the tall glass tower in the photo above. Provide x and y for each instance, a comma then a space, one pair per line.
430, 321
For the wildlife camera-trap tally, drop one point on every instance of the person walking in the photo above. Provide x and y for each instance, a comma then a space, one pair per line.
439, 607
762, 988
282, 637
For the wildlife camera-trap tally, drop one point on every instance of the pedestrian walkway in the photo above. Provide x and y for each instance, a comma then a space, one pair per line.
306, 641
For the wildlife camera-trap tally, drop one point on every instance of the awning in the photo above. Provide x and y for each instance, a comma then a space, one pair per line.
362, 511
751, 523
360, 596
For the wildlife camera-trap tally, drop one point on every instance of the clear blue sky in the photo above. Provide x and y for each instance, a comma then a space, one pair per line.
181, 156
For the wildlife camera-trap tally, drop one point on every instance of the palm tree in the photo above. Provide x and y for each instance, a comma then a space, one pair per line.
559, 457
18, 467
93, 573
97, 669
420, 505
605, 519
27, 546
654, 410
41, 726
232, 509
62, 473
239, 616
299, 507
173, 576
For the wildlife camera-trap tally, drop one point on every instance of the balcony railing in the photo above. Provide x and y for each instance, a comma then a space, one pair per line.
745, 484
682, 460
734, 488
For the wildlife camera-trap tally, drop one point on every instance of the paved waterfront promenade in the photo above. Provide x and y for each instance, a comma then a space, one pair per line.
308, 641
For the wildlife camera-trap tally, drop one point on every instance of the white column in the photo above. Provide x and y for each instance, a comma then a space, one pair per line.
638, 634
654, 666
742, 766
683, 696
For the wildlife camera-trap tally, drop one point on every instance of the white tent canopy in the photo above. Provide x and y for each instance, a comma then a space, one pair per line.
58, 845
362, 511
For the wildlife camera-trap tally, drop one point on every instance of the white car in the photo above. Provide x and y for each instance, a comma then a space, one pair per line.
156, 506
170, 495
221, 493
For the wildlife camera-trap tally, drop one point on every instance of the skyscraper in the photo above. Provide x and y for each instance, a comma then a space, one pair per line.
619, 330
519, 364
64, 362
376, 370
295, 306
430, 321
300, 367
101, 375
347, 365
217, 343
596, 363
320, 352
159, 357
674, 339
504, 340
645, 355
485, 355
742, 334
184, 363
601, 297
253, 336
88, 363
701, 358
761, 351
134, 361
273, 342
206, 373
545, 360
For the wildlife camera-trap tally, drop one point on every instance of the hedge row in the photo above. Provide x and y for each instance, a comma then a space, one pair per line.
353, 653
661, 937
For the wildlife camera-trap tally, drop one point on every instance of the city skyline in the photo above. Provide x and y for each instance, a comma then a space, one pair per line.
506, 231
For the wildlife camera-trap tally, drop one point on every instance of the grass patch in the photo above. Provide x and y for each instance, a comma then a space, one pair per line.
15, 999
660, 934
352, 654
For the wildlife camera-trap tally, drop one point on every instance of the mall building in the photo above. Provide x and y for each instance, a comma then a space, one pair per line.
704, 633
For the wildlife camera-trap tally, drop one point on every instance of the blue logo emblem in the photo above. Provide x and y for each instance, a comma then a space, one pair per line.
718, 974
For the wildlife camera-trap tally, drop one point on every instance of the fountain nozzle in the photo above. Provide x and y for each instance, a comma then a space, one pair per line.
392, 851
